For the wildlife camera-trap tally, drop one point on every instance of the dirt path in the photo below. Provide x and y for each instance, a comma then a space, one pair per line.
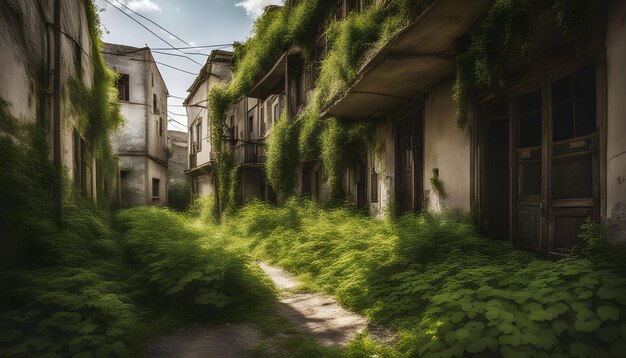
317, 315
320, 315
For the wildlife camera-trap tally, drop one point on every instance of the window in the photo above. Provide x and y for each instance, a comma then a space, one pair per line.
122, 87
275, 113
262, 121
80, 163
161, 126
155, 188
233, 129
529, 119
574, 105
155, 107
152, 76
251, 124
198, 133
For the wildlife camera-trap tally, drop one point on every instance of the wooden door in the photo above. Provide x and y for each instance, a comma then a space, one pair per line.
573, 183
529, 212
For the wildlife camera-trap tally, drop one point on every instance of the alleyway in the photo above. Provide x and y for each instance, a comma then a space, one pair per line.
312, 313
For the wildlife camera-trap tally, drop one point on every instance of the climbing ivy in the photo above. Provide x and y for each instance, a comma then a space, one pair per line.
483, 63
437, 185
282, 157
342, 145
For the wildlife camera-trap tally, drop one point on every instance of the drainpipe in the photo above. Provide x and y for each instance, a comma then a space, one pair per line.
56, 89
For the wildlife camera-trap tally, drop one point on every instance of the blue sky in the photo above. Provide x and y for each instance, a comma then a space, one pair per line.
198, 22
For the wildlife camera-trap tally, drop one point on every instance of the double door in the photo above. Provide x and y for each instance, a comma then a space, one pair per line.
555, 179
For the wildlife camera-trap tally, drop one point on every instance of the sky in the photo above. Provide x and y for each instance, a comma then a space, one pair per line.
197, 22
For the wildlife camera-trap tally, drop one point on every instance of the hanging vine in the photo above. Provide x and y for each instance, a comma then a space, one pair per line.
483, 63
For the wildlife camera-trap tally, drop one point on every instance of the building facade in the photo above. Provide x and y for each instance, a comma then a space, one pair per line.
141, 144
539, 155
247, 124
37, 64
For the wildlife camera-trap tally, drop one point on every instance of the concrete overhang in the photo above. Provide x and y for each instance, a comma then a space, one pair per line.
415, 60
269, 83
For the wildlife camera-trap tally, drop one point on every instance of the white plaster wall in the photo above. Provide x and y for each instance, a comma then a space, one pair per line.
448, 148
132, 136
195, 112
616, 120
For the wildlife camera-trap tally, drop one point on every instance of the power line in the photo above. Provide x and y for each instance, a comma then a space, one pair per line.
191, 47
177, 55
171, 95
176, 114
144, 26
175, 121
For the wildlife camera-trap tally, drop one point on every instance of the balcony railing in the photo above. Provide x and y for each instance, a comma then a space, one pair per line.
249, 153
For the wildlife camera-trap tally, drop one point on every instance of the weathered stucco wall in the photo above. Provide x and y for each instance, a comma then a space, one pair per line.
132, 180
204, 185
447, 148
382, 158
26, 68
144, 134
616, 121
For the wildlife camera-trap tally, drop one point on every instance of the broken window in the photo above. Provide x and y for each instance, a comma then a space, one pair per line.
122, 87
155, 107
574, 105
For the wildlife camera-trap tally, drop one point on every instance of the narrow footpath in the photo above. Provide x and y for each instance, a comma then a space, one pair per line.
315, 314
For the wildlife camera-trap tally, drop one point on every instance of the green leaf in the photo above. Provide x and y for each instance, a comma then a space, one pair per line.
84, 354
608, 334
559, 326
608, 312
480, 344
578, 349
7, 335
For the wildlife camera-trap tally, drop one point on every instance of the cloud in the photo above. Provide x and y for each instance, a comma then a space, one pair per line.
254, 8
138, 5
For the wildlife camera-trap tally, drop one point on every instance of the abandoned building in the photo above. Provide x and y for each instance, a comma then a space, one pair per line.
247, 127
141, 144
178, 183
536, 158
38, 62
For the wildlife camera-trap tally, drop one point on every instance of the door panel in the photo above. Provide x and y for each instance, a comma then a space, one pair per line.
529, 209
573, 147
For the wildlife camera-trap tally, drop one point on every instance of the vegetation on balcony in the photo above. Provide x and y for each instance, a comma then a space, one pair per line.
350, 39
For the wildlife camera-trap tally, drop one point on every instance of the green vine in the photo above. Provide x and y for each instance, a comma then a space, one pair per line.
437, 185
483, 63
98, 110
343, 144
282, 157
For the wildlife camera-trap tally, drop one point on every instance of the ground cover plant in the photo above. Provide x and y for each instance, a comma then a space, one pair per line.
448, 292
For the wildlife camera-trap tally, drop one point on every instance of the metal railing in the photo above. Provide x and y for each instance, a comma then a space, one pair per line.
249, 153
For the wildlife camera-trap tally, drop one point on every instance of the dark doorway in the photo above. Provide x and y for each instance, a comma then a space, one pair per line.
410, 163
361, 185
496, 170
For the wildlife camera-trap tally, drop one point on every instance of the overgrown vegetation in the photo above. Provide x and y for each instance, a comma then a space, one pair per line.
282, 157
446, 290
483, 63
275, 32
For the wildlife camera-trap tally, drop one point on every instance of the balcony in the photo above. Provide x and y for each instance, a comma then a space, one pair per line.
249, 153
